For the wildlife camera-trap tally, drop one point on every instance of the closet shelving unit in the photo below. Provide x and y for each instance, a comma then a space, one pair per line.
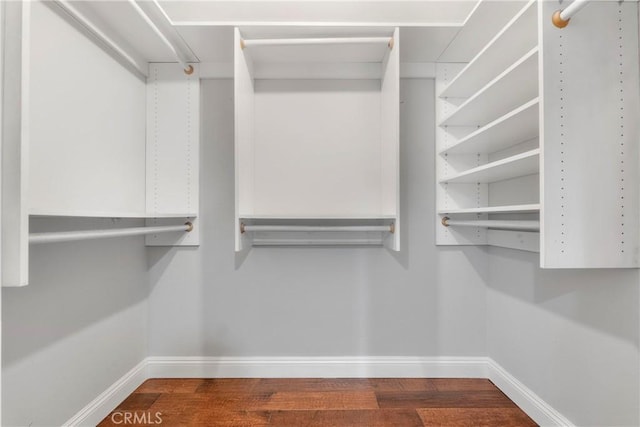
488, 119
539, 131
316, 136
66, 168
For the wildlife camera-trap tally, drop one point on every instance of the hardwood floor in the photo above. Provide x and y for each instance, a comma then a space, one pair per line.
301, 402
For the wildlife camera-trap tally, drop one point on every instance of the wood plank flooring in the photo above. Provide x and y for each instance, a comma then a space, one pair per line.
302, 402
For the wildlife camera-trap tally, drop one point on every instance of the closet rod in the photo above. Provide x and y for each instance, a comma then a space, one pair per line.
187, 68
503, 225
560, 18
89, 27
68, 236
317, 242
385, 228
316, 41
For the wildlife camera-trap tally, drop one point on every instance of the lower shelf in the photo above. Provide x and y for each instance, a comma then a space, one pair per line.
271, 231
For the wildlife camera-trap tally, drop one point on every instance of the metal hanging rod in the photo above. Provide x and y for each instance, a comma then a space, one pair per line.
68, 236
561, 18
503, 225
317, 41
317, 242
384, 228
188, 69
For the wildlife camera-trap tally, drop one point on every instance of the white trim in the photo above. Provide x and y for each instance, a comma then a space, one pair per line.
319, 367
316, 367
539, 410
102, 405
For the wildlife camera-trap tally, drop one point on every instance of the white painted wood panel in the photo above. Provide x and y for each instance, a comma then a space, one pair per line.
519, 81
524, 190
244, 114
461, 195
516, 126
172, 149
590, 109
522, 240
390, 139
476, 32
15, 143
511, 167
322, 53
517, 38
86, 123
110, 214
317, 147
495, 209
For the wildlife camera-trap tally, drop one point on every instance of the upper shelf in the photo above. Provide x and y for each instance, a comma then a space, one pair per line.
340, 47
93, 214
520, 81
518, 37
532, 208
522, 164
514, 127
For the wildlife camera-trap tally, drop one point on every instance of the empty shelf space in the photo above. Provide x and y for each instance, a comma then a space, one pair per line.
519, 125
515, 39
532, 208
522, 164
93, 214
515, 86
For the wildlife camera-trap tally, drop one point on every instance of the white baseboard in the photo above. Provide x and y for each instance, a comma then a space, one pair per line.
319, 367
316, 367
540, 411
102, 405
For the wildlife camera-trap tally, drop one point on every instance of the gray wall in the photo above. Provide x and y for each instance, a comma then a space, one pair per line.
77, 328
426, 301
81, 323
571, 336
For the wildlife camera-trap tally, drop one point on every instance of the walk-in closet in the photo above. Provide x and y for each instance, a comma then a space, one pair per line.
320, 212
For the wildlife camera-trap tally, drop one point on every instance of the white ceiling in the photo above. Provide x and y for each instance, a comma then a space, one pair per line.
431, 31
353, 12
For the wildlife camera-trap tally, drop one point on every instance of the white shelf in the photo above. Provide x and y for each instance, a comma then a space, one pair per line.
519, 82
91, 214
519, 125
522, 164
515, 39
533, 208
475, 33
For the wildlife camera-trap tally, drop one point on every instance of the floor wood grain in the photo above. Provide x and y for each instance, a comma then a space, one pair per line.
306, 402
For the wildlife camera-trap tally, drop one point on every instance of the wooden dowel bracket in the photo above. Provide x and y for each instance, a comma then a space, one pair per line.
242, 229
391, 43
557, 20
392, 227
242, 44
